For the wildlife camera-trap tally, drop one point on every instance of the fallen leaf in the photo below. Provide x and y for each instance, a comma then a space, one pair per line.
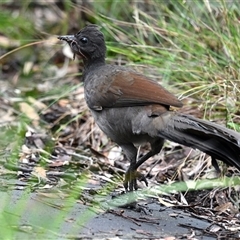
29, 111
39, 172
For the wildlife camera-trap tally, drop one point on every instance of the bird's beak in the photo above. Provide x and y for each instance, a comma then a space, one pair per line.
73, 43
71, 40
67, 38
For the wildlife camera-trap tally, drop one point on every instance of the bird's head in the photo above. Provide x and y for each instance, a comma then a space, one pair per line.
88, 43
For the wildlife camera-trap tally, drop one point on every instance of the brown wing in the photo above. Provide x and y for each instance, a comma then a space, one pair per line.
132, 89
123, 88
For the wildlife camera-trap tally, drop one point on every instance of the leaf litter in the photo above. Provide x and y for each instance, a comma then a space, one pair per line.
69, 143
59, 143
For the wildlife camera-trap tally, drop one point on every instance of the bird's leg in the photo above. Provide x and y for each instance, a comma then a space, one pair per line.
132, 175
156, 147
130, 182
215, 165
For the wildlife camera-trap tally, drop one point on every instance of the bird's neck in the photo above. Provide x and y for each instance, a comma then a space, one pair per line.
93, 63
90, 66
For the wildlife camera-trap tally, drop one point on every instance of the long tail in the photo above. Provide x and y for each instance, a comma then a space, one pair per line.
215, 140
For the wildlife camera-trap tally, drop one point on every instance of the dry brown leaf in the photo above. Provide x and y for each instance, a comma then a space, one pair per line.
59, 163
39, 105
29, 111
63, 102
39, 172
224, 207
166, 204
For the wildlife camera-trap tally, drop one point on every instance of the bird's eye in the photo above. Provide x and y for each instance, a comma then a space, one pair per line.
84, 40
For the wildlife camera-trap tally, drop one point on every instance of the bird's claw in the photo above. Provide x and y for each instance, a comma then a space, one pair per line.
130, 181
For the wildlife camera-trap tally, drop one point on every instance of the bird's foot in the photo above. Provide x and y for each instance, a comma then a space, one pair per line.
130, 181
